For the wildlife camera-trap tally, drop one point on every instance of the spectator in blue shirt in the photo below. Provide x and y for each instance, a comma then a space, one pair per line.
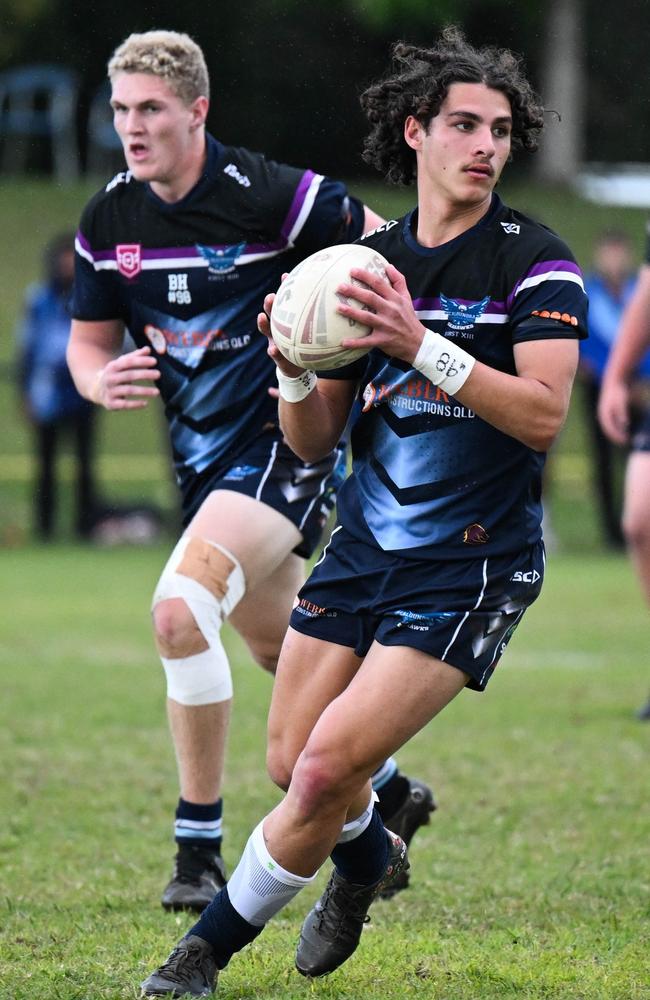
49, 398
609, 286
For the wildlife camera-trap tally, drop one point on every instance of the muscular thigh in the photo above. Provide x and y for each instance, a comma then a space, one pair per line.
262, 616
259, 537
395, 693
311, 674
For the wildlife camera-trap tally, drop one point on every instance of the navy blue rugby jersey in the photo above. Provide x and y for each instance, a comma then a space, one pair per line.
430, 478
189, 278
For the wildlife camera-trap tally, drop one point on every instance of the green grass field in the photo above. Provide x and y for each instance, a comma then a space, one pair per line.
531, 882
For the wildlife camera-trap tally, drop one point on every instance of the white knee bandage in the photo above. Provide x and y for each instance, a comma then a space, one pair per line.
211, 582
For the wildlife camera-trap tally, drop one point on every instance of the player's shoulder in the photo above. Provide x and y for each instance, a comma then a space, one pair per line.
120, 188
250, 169
525, 238
382, 236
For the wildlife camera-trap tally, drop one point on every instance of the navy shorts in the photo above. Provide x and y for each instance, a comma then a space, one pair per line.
461, 611
269, 472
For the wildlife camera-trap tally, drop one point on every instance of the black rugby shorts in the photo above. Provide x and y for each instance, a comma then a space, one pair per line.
461, 611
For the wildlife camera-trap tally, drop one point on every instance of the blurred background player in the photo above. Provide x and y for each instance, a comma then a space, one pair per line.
49, 399
624, 412
181, 250
438, 548
609, 286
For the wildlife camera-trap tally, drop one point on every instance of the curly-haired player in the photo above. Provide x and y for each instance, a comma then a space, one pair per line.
419, 86
438, 548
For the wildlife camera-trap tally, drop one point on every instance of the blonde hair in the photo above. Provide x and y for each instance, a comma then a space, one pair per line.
170, 55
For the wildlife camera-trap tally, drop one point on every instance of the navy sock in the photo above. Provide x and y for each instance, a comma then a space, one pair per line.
392, 795
364, 859
199, 825
224, 928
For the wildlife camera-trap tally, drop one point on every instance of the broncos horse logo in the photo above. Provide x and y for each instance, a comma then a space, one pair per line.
222, 260
461, 316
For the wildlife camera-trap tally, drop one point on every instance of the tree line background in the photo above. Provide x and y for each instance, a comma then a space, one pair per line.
286, 74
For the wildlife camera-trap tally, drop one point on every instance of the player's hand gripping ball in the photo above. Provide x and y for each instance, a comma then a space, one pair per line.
305, 325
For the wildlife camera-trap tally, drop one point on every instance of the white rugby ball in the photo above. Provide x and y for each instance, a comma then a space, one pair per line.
304, 322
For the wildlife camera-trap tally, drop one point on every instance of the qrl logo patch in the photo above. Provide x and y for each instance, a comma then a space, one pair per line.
129, 259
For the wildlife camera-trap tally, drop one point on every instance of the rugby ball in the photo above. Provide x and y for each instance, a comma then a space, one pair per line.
304, 322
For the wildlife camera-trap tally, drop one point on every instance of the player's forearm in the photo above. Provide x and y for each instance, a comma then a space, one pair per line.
527, 409
90, 348
310, 426
86, 362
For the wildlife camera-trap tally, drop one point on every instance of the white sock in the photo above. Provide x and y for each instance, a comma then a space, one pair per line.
355, 827
259, 887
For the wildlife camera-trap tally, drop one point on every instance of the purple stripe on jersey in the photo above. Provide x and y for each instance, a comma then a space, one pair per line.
495, 308
544, 267
553, 265
165, 253
265, 247
190, 253
83, 241
297, 203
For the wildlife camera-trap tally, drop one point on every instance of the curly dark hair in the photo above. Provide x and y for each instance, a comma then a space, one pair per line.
420, 84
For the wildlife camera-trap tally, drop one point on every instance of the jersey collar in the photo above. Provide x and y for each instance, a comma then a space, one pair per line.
214, 152
410, 226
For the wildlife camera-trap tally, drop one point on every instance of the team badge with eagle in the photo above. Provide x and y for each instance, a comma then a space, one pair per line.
461, 316
222, 260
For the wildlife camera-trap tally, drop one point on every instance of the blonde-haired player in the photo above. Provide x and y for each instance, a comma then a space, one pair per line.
180, 249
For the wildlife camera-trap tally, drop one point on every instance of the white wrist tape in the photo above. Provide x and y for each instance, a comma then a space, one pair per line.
295, 389
443, 362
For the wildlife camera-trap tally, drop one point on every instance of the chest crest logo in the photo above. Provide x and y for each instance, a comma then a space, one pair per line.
129, 259
463, 316
222, 260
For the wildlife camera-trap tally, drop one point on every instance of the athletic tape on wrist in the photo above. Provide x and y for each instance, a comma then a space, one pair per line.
293, 390
443, 362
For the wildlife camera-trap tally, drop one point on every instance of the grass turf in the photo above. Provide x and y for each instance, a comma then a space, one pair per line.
531, 882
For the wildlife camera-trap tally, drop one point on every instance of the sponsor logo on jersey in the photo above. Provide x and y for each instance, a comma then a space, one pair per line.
461, 316
416, 395
412, 388
385, 226
175, 341
221, 262
475, 534
532, 576
123, 177
232, 171
156, 338
512, 228
129, 259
